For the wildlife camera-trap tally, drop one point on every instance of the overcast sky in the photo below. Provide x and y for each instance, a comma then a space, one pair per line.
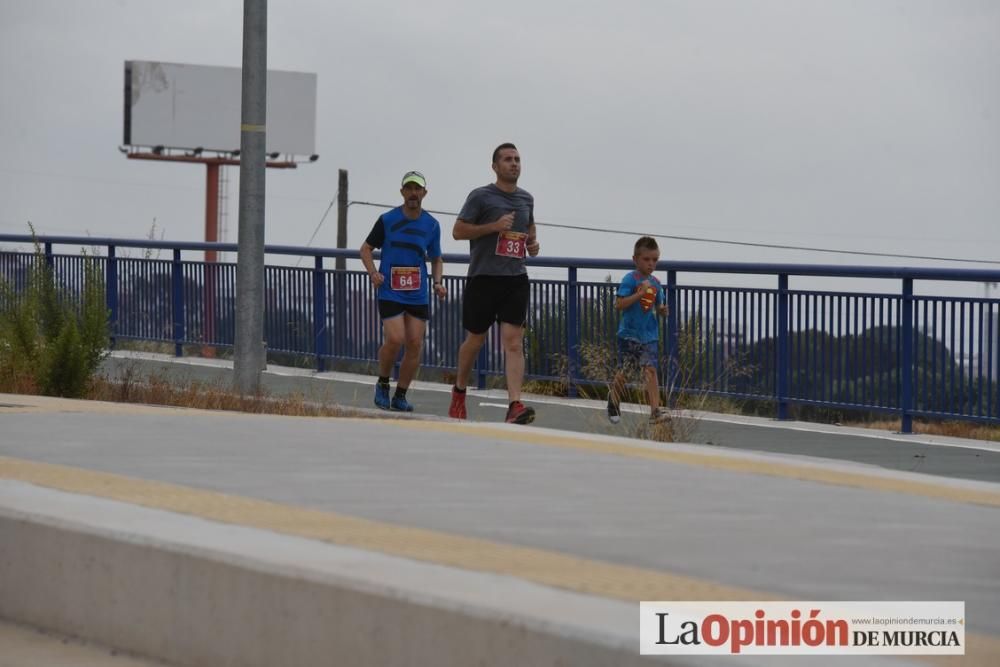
864, 124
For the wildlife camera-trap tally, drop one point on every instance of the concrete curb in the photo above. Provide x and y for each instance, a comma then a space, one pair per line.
198, 593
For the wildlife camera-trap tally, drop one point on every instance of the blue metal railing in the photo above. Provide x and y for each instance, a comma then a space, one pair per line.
890, 351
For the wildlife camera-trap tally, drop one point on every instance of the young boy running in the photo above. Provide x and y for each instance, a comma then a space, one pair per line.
640, 298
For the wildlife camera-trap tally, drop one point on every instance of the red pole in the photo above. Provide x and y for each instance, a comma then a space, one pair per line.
211, 208
211, 235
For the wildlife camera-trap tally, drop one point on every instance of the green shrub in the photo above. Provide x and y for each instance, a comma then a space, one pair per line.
52, 339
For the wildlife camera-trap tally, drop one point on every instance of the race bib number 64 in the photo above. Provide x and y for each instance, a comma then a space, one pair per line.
405, 278
512, 244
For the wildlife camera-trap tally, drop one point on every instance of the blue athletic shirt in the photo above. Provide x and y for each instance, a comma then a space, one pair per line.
636, 324
405, 243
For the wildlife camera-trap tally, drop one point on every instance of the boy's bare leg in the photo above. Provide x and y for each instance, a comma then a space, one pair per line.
467, 353
617, 387
512, 338
652, 388
413, 343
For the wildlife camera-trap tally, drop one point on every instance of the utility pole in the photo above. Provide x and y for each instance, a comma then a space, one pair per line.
340, 275
341, 263
249, 357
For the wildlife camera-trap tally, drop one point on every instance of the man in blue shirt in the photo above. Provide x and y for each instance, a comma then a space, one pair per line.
640, 298
408, 236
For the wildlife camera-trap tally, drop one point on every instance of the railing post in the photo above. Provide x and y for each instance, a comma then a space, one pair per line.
673, 339
781, 382
111, 293
319, 314
49, 259
340, 312
906, 360
572, 331
481, 365
177, 302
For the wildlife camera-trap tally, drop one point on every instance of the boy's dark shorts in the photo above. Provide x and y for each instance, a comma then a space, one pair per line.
637, 355
388, 309
489, 299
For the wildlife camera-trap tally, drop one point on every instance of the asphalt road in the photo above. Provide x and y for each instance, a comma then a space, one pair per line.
790, 527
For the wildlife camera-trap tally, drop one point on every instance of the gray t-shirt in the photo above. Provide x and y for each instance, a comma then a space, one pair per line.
485, 205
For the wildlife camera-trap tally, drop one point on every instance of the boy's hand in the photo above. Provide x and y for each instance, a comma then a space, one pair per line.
662, 309
641, 287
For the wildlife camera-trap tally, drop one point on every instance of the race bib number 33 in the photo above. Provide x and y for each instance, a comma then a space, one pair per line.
405, 278
511, 244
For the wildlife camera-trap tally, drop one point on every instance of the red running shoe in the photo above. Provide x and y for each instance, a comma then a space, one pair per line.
519, 413
457, 408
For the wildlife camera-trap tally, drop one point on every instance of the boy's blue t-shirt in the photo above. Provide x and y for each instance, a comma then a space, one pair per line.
637, 324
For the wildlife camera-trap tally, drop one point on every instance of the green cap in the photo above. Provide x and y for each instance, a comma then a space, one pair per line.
414, 177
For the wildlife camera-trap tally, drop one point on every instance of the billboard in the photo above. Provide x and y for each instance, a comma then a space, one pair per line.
192, 106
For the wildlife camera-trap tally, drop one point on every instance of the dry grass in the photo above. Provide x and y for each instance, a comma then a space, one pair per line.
137, 345
946, 428
14, 381
598, 366
157, 390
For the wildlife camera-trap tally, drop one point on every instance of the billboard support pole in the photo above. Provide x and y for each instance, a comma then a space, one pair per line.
211, 236
249, 357
211, 208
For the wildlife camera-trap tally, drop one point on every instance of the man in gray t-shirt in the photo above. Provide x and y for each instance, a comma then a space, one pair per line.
498, 220
488, 204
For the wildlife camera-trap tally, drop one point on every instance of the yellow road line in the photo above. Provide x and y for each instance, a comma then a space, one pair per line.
926, 489
569, 572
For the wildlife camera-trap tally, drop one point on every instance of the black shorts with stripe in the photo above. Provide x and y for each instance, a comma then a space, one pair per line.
388, 309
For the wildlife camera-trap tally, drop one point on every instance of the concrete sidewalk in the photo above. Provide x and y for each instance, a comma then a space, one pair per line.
932, 455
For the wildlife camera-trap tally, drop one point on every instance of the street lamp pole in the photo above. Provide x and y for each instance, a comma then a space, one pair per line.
249, 355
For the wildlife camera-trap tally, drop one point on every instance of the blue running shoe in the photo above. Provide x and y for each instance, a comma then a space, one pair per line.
401, 404
382, 395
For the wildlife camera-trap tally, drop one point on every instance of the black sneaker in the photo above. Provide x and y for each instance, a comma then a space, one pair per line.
614, 411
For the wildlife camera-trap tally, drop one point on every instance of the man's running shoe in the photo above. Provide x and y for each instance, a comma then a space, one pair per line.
614, 411
519, 413
659, 416
382, 395
401, 404
457, 408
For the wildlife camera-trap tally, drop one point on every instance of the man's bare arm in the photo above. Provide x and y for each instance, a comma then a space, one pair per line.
466, 231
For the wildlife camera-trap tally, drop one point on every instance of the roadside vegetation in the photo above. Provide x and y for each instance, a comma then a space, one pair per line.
53, 334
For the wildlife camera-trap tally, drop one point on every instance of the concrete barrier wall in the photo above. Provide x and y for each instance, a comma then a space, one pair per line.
201, 607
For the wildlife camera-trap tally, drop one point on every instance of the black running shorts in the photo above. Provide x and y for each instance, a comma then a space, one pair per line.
489, 299
388, 309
